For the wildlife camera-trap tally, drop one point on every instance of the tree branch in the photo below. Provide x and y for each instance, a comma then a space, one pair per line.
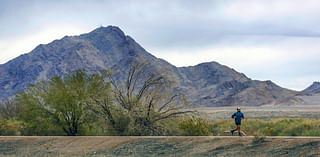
173, 114
168, 102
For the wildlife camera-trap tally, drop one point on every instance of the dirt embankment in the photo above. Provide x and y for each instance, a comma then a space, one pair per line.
159, 146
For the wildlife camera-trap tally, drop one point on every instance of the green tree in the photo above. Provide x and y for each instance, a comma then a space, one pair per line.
60, 102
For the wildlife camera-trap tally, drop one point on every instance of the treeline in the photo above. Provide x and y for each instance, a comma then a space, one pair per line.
95, 104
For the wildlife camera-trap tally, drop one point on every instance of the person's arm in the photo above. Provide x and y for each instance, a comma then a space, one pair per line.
242, 116
233, 115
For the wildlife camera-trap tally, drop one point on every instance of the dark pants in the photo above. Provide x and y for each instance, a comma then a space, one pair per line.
238, 128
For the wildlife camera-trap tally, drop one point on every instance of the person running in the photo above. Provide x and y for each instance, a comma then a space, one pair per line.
237, 116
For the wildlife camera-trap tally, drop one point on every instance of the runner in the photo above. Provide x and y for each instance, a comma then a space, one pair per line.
238, 116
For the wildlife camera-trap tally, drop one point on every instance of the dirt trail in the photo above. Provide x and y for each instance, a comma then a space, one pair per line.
159, 146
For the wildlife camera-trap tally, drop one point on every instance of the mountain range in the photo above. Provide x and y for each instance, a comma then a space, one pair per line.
206, 84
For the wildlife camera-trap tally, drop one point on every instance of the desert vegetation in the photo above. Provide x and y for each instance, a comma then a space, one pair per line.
275, 127
177, 126
96, 104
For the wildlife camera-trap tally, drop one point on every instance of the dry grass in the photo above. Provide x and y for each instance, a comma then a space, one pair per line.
262, 112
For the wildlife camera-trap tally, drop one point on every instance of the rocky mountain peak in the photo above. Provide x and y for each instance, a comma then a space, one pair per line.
313, 89
206, 84
108, 29
105, 32
316, 83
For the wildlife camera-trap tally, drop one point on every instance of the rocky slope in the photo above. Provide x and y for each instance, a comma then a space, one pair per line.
206, 84
313, 89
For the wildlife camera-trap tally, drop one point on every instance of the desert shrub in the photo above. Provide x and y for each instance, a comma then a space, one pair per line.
255, 127
276, 127
195, 127
9, 118
10, 127
218, 127
9, 109
300, 127
312, 132
121, 124
172, 127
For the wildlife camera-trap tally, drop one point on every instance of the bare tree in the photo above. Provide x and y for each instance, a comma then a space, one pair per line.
147, 98
9, 109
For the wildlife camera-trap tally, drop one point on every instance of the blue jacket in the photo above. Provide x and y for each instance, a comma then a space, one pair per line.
238, 118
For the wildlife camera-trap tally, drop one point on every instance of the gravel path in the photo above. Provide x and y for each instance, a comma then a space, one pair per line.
159, 146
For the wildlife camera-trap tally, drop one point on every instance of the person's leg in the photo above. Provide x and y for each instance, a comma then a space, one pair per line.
235, 129
232, 131
239, 130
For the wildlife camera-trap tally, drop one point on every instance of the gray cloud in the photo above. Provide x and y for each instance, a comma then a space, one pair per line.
163, 26
175, 22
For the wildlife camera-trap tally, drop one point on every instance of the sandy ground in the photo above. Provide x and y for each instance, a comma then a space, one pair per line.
261, 112
160, 146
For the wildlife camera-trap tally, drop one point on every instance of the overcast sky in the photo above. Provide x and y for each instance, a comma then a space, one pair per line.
276, 40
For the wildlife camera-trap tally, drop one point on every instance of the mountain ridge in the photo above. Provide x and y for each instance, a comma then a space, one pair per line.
314, 88
205, 84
